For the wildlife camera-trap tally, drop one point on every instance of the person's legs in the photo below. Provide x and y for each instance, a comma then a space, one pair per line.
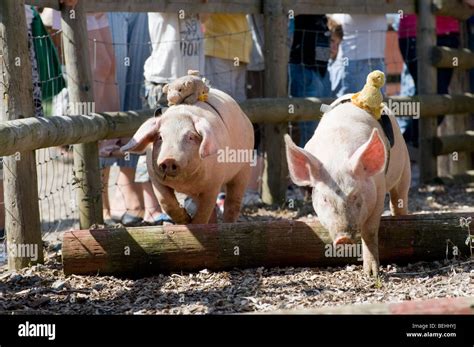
255, 90
357, 72
2, 204
107, 99
152, 96
138, 53
102, 58
336, 76
349, 72
119, 26
105, 193
129, 192
152, 207
408, 52
470, 37
320, 87
303, 83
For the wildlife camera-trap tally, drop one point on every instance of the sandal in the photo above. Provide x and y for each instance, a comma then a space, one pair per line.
162, 218
131, 220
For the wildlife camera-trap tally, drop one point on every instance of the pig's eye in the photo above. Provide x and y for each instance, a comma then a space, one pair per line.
160, 138
180, 89
325, 200
192, 137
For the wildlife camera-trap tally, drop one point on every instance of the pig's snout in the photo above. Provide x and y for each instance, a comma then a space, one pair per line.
343, 238
168, 167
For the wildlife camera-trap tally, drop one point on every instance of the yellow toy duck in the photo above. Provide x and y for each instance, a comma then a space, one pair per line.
370, 97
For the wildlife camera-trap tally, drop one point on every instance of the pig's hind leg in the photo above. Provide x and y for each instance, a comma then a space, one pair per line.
235, 193
399, 193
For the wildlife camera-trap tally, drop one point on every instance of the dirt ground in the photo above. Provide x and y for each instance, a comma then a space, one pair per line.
43, 289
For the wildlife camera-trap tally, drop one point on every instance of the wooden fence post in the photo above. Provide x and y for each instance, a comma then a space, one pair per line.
427, 84
457, 162
275, 175
22, 220
80, 89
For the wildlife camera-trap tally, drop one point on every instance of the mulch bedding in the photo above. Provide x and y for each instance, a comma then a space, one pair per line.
43, 289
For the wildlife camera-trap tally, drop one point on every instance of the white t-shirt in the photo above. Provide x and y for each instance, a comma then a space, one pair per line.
364, 35
177, 46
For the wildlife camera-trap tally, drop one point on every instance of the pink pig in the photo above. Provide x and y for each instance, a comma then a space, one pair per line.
345, 163
184, 156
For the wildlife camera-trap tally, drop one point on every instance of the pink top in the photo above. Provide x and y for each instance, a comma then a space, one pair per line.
444, 25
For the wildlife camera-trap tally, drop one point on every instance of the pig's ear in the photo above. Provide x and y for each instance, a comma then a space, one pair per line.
303, 166
146, 134
165, 88
209, 144
369, 159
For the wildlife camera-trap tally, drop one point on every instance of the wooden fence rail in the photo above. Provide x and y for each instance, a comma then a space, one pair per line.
450, 143
35, 133
452, 58
241, 6
454, 8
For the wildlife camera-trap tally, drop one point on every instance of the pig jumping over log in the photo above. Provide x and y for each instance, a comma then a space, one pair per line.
346, 164
184, 156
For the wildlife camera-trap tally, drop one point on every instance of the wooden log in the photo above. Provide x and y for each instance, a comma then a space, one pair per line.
452, 58
452, 8
147, 250
427, 84
464, 305
454, 143
80, 90
22, 220
32, 133
275, 174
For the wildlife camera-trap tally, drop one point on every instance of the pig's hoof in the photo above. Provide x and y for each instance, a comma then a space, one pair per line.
181, 218
371, 268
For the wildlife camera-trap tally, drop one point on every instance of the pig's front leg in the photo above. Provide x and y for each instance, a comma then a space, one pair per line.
370, 238
206, 203
170, 205
370, 250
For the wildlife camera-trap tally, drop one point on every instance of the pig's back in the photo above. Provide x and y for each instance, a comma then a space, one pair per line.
239, 128
340, 133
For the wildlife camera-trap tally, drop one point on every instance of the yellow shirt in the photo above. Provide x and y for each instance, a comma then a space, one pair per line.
228, 36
